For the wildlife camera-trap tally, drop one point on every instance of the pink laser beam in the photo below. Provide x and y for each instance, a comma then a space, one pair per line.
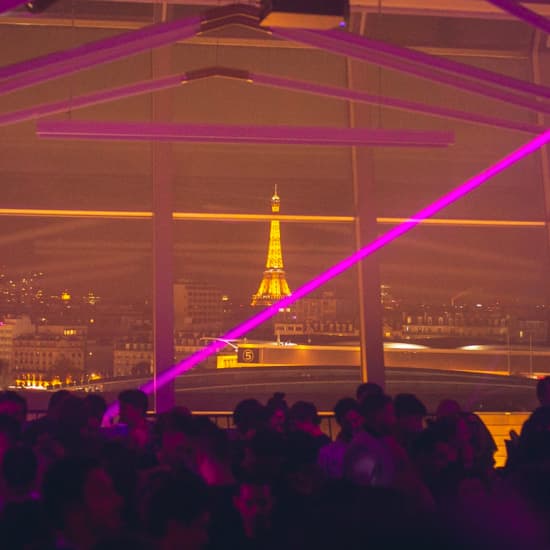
381, 241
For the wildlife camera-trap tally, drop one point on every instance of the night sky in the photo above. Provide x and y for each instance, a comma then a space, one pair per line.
113, 257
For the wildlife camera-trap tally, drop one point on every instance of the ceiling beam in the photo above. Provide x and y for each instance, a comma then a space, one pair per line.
344, 46
171, 81
223, 133
523, 13
261, 41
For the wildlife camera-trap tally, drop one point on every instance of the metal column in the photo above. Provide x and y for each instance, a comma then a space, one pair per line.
163, 298
540, 49
368, 271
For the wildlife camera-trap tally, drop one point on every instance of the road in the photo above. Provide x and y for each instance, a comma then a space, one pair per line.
221, 390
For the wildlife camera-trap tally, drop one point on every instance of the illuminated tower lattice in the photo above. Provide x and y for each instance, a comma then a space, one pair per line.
273, 285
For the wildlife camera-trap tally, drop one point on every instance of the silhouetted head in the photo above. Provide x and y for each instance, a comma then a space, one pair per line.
448, 407
367, 388
348, 415
96, 406
249, 416
55, 401
379, 413
303, 415
410, 412
133, 406
13, 404
543, 391
277, 411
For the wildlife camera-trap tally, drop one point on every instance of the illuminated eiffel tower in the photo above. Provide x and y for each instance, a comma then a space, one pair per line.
273, 285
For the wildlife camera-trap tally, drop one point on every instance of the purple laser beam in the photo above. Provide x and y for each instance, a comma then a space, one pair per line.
427, 212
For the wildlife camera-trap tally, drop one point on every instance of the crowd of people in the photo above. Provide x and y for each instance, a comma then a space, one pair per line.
393, 477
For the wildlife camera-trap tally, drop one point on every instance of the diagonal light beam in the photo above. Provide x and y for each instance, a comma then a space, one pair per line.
378, 243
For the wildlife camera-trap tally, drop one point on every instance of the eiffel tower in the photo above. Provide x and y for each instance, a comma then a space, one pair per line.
273, 285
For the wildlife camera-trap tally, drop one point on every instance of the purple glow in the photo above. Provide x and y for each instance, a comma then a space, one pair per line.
7, 5
345, 264
525, 14
343, 46
221, 133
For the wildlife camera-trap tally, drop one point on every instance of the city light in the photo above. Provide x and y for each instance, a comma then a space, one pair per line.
262, 218
378, 243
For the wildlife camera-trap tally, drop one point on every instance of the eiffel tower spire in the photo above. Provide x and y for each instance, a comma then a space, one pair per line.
273, 285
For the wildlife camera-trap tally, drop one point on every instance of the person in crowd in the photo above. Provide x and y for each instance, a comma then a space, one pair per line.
133, 405
347, 413
367, 388
212, 453
379, 414
254, 503
264, 455
482, 442
81, 502
410, 413
177, 514
19, 475
249, 416
175, 431
447, 407
14, 405
35, 429
25, 526
277, 412
96, 406
543, 391
10, 432
390, 478
303, 417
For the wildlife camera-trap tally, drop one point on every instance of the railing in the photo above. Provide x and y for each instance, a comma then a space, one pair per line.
498, 423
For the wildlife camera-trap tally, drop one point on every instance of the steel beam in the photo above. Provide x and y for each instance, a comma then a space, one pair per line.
282, 135
435, 62
163, 238
517, 9
104, 96
344, 47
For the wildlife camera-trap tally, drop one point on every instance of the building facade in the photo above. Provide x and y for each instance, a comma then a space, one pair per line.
198, 306
48, 358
